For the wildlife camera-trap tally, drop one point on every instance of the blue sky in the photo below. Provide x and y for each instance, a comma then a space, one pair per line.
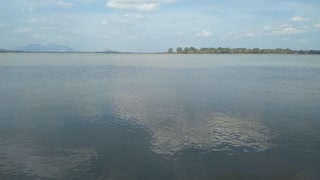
156, 25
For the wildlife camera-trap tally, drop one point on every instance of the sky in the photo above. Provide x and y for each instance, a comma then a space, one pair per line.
156, 25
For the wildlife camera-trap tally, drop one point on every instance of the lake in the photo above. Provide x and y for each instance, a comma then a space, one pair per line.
149, 116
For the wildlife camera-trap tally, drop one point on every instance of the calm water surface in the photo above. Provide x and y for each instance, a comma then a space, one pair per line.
104, 116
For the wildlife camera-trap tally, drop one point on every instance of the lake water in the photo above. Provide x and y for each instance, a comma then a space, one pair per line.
109, 116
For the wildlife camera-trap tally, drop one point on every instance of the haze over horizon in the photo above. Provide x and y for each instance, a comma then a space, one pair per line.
156, 25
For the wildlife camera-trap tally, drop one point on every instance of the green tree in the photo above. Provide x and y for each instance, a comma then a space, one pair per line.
221, 50
170, 50
186, 50
193, 50
179, 50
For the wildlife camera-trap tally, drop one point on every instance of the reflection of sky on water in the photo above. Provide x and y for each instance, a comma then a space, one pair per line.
174, 127
19, 155
156, 60
112, 117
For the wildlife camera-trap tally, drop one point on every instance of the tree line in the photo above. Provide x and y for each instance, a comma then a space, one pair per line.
220, 50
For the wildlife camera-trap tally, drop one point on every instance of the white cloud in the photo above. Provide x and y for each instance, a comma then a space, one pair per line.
180, 33
299, 19
126, 19
132, 37
22, 30
137, 5
34, 20
283, 29
317, 25
204, 33
64, 4
237, 35
38, 36
303, 40
134, 16
267, 28
106, 36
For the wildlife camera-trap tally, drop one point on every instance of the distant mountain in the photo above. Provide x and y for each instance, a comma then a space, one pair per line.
45, 48
109, 51
8, 51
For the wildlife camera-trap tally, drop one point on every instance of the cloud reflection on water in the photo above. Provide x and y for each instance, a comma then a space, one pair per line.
19, 155
174, 128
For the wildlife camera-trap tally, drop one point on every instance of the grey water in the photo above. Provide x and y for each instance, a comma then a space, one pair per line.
148, 116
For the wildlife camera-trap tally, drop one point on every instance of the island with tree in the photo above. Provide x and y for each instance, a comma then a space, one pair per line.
220, 50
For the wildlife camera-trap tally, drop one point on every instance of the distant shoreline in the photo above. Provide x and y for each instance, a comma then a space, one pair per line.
163, 53
191, 50
220, 50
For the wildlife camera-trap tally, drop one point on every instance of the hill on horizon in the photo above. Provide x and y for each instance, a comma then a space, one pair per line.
45, 48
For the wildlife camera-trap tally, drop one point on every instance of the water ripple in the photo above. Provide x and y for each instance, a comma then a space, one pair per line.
19, 155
